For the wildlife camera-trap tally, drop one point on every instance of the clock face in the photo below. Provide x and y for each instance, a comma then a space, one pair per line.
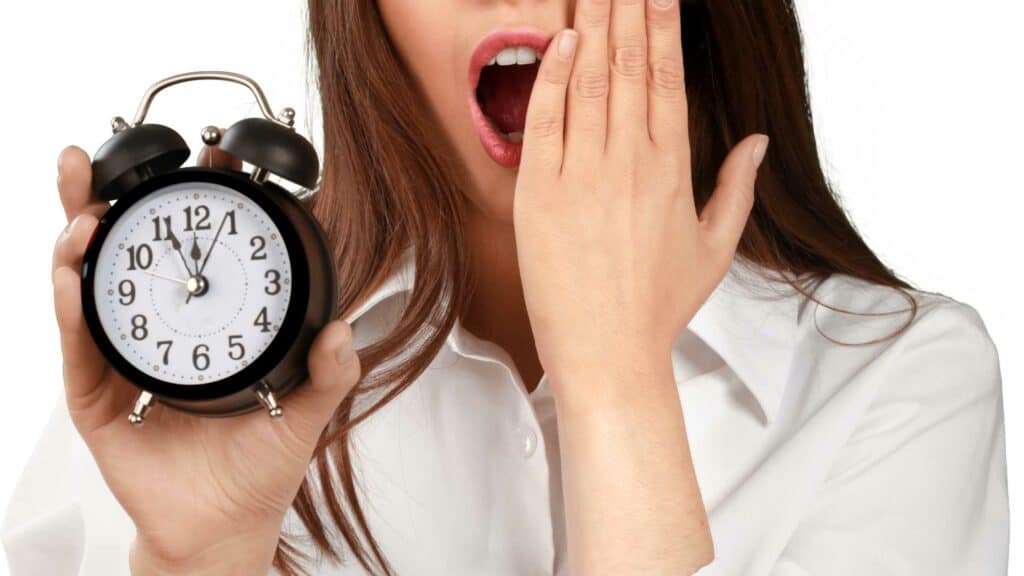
192, 283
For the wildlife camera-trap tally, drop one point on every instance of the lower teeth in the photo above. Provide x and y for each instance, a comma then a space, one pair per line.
511, 137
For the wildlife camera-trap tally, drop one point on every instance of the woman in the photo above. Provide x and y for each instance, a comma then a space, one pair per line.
581, 335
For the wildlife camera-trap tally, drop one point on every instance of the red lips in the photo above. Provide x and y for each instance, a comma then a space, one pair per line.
499, 148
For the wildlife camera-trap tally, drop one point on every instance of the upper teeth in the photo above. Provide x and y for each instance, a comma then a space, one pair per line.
515, 55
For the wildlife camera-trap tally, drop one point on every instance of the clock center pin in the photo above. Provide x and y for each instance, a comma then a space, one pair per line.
197, 285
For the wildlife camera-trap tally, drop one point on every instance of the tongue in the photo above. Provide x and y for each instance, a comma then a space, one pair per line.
504, 92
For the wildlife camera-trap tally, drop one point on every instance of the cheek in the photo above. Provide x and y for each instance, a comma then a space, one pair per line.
426, 40
434, 39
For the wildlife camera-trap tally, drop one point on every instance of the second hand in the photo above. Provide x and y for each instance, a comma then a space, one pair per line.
178, 280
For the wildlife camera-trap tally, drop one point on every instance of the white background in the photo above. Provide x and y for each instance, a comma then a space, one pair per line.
916, 104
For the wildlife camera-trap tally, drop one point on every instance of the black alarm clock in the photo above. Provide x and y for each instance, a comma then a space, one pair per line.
203, 286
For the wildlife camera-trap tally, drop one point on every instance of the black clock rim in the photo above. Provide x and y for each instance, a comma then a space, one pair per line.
290, 327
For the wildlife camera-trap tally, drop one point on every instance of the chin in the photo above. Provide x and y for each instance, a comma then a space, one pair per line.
493, 187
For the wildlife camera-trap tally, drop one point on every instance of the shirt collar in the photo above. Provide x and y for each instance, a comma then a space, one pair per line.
749, 324
753, 326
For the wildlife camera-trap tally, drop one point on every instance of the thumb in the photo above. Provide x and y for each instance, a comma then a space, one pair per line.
333, 371
726, 212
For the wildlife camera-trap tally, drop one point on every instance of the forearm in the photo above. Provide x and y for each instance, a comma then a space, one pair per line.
632, 502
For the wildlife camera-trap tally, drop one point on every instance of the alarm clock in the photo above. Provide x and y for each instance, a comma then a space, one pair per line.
205, 287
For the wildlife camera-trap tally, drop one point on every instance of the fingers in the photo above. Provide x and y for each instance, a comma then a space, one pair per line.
627, 98
726, 212
72, 242
587, 112
89, 405
214, 157
667, 117
74, 183
545, 115
83, 364
333, 371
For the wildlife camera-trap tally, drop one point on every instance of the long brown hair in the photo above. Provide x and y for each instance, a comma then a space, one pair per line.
391, 181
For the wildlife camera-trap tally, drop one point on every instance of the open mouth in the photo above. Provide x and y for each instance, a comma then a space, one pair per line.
503, 91
501, 75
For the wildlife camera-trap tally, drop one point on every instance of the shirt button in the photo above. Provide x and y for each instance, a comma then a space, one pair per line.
528, 442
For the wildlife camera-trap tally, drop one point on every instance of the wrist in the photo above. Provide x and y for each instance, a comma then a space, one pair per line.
246, 553
629, 375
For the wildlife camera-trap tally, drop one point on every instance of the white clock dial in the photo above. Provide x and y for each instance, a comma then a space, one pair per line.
180, 306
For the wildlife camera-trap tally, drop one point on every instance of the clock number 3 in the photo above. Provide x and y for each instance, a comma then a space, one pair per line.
274, 277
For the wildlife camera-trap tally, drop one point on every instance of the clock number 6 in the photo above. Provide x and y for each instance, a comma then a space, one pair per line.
199, 355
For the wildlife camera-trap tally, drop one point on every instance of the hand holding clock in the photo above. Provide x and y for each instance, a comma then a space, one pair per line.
188, 483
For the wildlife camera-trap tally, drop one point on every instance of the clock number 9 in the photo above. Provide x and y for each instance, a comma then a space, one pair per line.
126, 288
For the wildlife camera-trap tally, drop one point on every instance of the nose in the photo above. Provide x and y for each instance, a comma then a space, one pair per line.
565, 8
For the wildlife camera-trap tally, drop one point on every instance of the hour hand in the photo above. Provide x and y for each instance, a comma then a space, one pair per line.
170, 235
176, 244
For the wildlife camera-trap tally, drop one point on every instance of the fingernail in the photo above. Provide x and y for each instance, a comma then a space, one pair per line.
760, 149
663, 3
567, 43
345, 353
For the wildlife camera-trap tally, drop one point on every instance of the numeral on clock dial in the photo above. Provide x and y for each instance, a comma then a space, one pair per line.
140, 256
202, 214
126, 288
150, 308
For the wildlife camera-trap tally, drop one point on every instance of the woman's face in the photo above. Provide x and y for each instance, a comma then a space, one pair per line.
441, 43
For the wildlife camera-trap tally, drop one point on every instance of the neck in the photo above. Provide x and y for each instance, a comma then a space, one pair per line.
497, 309
497, 302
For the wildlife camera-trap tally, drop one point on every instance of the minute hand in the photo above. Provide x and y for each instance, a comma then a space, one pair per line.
209, 251
214, 243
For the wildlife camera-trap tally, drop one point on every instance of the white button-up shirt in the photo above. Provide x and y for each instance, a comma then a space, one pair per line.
812, 458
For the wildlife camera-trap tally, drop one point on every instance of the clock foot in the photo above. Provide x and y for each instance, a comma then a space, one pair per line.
269, 401
142, 406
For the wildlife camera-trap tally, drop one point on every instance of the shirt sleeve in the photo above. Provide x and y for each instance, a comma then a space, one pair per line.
62, 520
920, 485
